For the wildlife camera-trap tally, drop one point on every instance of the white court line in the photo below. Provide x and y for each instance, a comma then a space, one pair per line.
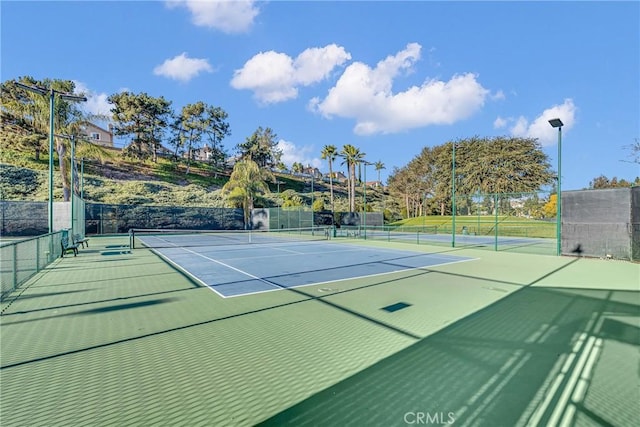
398, 256
234, 269
281, 255
353, 278
279, 287
283, 250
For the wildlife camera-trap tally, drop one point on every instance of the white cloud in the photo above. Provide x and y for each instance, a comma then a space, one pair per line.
275, 77
499, 95
292, 154
182, 68
499, 123
540, 127
365, 94
96, 104
228, 16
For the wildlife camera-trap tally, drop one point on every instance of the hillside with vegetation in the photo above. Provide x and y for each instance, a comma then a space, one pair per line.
165, 182
181, 157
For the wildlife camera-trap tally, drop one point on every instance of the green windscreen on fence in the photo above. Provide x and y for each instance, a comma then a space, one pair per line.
78, 216
293, 217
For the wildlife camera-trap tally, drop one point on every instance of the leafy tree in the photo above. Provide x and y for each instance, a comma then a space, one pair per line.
483, 165
25, 119
262, 148
218, 128
502, 165
291, 199
247, 182
197, 123
604, 182
329, 153
143, 118
318, 205
550, 208
297, 167
24, 116
423, 186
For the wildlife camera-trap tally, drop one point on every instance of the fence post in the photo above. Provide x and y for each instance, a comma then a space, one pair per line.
495, 226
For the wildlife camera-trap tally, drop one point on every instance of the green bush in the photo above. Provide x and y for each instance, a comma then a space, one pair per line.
16, 183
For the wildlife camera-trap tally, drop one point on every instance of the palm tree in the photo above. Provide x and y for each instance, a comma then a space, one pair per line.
329, 153
247, 181
297, 167
379, 166
351, 156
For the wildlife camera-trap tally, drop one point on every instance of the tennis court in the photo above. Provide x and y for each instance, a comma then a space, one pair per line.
234, 264
462, 239
119, 336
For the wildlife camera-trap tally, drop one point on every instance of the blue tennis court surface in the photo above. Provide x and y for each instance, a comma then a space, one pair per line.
235, 270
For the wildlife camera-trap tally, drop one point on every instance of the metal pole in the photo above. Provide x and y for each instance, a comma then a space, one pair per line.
82, 179
51, 142
73, 182
559, 198
278, 205
312, 222
453, 197
424, 211
364, 204
495, 225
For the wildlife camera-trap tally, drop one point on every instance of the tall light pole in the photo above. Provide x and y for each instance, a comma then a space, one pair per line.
72, 138
364, 198
557, 123
52, 94
278, 182
453, 196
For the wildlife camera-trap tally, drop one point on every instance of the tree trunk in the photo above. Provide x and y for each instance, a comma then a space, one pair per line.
188, 160
331, 186
353, 188
66, 191
406, 202
349, 184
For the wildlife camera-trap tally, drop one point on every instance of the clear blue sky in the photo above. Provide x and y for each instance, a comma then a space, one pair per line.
387, 77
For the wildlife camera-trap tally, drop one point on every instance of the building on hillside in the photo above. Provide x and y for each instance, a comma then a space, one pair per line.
202, 154
97, 135
311, 171
337, 177
163, 151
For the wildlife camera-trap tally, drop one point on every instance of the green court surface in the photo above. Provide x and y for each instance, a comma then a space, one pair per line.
115, 337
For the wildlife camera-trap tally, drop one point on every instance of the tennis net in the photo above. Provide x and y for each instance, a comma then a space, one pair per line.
175, 238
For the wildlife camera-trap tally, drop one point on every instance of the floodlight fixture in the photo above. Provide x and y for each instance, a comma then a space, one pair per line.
556, 123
